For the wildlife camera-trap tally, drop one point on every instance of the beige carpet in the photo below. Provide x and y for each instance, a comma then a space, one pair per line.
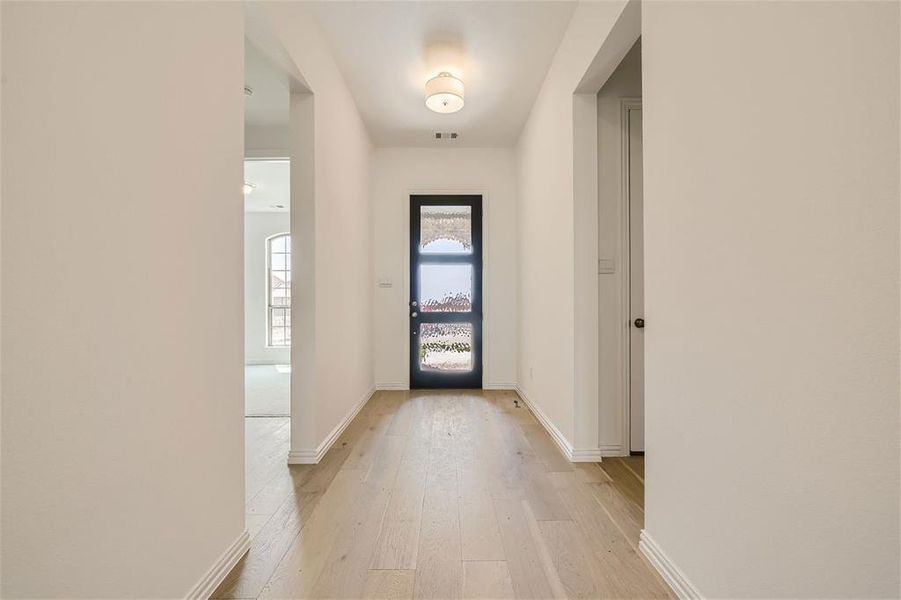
266, 391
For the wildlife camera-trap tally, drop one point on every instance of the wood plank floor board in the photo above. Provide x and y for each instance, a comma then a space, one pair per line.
269, 545
398, 542
367, 446
584, 510
634, 464
625, 479
543, 498
389, 584
302, 563
523, 559
570, 559
478, 469
628, 518
487, 580
268, 437
320, 478
522, 469
268, 499
590, 473
545, 448
439, 494
299, 568
480, 451
439, 568
626, 573
479, 531
255, 523
404, 418
346, 568
513, 406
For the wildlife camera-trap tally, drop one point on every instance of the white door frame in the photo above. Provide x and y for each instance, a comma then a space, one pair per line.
626, 105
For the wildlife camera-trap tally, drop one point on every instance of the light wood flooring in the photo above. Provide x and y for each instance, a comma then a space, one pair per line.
442, 495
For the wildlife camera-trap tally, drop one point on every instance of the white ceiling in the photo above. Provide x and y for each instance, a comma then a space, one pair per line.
272, 181
388, 50
268, 106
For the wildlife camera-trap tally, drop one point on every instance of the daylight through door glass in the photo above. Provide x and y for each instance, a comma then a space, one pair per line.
445, 346
445, 230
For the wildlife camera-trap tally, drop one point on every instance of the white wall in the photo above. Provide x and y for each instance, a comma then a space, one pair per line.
398, 172
1, 293
772, 280
266, 142
122, 441
557, 326
625, 82
330, 219
258, 227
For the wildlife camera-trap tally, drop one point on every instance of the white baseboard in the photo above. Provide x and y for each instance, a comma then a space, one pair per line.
310, 456
674, 577
565, 447
304, 457
392, 386
499, 386
612, 450
588, 455
220, 569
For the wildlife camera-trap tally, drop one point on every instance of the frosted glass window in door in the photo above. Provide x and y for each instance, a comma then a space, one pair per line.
445, 346
445, 230
445, 288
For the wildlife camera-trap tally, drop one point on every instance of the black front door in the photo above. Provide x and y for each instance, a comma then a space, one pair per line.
445, 291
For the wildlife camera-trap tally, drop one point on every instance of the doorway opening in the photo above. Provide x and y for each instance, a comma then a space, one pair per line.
634, 268
446, 291
621, 317
267, 288
267, 239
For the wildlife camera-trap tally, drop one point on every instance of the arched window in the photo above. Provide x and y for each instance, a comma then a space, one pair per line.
278, 293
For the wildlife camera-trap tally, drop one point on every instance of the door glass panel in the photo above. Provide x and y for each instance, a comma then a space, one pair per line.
445, 347
445, 230
445, 288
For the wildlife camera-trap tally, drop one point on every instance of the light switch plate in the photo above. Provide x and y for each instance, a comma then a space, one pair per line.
605, 266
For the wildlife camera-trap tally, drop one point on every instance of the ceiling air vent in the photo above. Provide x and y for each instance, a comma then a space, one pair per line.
446, 136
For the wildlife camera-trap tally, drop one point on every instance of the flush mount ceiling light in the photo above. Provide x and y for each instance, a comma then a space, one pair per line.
444, 93
248, 187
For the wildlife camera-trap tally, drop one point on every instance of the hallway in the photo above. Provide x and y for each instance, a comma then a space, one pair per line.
438, 495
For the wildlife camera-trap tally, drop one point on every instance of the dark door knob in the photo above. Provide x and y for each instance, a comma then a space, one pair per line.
639, 322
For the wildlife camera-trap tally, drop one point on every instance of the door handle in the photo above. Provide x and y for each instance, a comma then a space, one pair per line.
639, 323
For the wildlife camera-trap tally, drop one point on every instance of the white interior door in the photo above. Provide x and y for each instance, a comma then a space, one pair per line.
636, 285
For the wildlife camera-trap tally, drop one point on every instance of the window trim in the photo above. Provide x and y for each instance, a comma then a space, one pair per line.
269, 306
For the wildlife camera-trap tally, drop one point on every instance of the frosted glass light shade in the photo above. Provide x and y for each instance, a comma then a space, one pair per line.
444, 93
